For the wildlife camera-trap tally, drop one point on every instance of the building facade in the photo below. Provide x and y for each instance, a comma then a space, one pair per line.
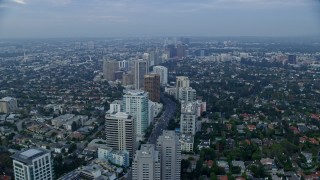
33, 163
152, 86
8, 104
120, 158
141, 68
187, 142
188, 118
187, 94
146, 164
120, 133
163, 72
169, 147
135, 103
109, 69
181, 82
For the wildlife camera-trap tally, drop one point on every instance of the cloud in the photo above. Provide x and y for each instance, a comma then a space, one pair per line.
19, 1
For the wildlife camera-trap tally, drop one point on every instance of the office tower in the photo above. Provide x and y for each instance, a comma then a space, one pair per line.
109, 68
127, 78
124, 65
141, 68
120, 134
152, 58
163, 72
202, 53
187, 94
152, 86
146, 164
34, 163
181, 50
8, 104
169, 147
188, 118
135, 103
118, 75
181, 81
292, 59
172, 50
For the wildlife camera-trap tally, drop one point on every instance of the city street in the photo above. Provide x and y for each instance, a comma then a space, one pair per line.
162, 123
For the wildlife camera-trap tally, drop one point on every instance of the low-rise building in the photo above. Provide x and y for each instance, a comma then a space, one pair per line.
187, 142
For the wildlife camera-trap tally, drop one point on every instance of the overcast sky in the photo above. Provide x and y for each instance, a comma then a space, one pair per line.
104, 18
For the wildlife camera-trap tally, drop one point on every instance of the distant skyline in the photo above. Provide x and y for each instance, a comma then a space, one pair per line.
108, 18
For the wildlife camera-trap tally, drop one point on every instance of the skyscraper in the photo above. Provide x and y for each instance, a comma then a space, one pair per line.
169, 148
127, 78
135, 103
141, 68
181, 50
33, 163
292, 59
188, 118
120, 133
181, 82
109, 68
146, 164
163, 72
152, 86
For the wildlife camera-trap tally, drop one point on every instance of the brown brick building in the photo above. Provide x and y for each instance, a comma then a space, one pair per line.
152, 86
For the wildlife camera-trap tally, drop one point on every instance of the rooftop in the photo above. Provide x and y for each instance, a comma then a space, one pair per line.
7, 99
26, 156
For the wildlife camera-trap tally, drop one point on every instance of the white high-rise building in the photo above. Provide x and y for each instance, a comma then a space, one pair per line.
141, 68
33, 163
169, 148
115, 106
146, 164
8, 104
120, 133
135, 102
163, 72
181, 82
187, 94
188, 118
124, 65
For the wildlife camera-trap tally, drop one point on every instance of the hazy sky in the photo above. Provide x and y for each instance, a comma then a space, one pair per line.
103, 18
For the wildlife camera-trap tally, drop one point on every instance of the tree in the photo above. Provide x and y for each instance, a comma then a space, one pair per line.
72, 148
184, 165
213, 176
73, 126
258, 171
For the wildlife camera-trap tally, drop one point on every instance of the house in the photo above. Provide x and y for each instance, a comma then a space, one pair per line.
239, 164
268, 163
251, 127
204, 144
308, 157
223, 164
222, 177
294, 129
240, 128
